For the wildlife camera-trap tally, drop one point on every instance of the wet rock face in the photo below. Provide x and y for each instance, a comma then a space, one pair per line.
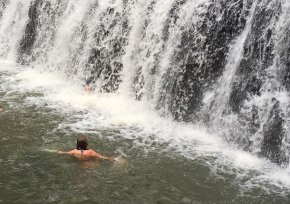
284, 58
201, 57
28, 49
258, 56
286, 72
30, 32
273, 135
252, 75
104, 61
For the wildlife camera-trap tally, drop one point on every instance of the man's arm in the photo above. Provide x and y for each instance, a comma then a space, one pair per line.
95, 154
72, 152
61, 152
107, 158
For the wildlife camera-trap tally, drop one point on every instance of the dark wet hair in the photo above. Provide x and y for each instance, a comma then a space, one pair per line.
89, 81
82, 143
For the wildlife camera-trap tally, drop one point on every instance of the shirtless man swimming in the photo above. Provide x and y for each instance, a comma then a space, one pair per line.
82, 151
88, 89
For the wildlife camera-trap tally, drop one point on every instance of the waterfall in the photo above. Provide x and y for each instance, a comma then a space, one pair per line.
220, 64
250, 99
14, 17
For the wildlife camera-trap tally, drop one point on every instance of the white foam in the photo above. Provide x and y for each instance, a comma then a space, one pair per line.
6, 65
136, 120
32, 79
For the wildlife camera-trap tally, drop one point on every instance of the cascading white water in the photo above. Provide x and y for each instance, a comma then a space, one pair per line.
235, 55
282, 94
217, 101
273, 92
73, 27
257, 114
188, 59
13, 21
145, 56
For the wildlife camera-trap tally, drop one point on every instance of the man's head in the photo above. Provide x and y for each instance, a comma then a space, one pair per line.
82, 143
89, 81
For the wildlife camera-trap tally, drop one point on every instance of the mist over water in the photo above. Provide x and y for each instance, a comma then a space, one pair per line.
202, 80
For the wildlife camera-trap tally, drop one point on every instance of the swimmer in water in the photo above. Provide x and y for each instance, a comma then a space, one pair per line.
88, 88
82, 151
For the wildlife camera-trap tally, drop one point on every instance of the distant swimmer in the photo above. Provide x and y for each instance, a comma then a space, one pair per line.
88, 88
82, 151
1, 109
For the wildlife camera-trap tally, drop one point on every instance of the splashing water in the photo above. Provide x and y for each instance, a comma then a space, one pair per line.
158, 69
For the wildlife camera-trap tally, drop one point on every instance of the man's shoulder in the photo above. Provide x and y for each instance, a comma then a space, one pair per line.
93, 153
74, 151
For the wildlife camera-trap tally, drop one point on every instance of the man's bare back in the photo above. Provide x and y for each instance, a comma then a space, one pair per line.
86, 154
82, 152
